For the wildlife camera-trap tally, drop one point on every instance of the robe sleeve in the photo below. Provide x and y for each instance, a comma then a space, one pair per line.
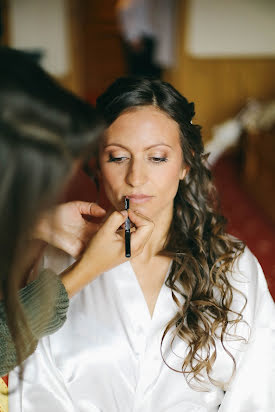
45, 303
253, 387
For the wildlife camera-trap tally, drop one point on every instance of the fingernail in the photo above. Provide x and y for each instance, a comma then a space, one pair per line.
124, 213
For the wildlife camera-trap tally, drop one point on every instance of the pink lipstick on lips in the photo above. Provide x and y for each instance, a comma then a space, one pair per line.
139, 198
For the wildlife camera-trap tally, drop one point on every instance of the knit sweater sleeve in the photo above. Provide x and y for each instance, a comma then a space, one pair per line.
45, 303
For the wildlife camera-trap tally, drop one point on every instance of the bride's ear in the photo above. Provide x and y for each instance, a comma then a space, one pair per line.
184, 171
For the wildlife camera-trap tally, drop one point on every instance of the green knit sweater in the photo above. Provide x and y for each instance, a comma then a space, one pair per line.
45, 303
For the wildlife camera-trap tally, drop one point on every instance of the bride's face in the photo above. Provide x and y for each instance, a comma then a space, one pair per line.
141, 158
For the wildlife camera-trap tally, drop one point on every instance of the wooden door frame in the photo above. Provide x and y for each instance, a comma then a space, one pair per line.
75, 18
5, 41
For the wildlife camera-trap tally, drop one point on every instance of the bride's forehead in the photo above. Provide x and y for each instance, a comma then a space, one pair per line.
143, 123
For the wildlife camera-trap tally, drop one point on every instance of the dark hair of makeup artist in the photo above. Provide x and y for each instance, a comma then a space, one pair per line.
202, 251
43, 130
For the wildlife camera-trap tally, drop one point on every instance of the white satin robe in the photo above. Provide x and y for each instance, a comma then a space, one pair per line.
107, 355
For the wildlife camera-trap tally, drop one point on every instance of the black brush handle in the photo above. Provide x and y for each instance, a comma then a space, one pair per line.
127, 230
127, 243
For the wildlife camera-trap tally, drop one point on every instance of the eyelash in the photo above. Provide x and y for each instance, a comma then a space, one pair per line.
159, 159
116, 159
155, 159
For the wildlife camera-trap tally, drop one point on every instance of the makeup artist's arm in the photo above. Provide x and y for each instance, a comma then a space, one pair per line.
67, 226
45, 300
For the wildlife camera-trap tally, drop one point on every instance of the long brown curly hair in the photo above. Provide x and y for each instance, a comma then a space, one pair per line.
202, 252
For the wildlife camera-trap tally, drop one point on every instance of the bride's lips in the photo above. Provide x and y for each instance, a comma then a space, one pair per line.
140, 198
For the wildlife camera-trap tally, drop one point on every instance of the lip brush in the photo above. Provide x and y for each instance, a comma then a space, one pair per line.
127, 230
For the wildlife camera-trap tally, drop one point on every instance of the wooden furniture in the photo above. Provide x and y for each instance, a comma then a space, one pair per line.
258, 173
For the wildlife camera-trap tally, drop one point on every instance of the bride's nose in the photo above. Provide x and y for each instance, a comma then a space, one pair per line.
136, 174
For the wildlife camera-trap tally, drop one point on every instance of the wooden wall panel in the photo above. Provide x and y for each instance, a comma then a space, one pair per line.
219, 87
76, 44
5, 40
104, 55
95, 47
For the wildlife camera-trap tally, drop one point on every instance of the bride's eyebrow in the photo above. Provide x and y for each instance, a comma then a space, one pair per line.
146, 148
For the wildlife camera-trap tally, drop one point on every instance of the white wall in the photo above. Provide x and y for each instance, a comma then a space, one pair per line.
234, 28
41, 24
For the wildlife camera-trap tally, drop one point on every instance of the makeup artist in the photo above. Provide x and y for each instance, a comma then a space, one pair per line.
45, 134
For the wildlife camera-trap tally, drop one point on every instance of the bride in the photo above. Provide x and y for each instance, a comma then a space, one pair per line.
188, 325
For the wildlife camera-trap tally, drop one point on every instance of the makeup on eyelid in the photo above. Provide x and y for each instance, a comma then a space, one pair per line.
155, 158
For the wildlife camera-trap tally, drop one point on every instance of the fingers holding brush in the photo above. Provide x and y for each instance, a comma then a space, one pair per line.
144, 228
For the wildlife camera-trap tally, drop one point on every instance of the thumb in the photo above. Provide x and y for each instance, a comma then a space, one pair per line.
90, 208
115, 220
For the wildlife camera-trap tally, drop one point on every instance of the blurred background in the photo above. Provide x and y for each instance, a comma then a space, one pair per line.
217, 53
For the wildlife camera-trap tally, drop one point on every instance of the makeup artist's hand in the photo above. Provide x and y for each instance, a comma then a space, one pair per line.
108, 244
106, 249
67, 226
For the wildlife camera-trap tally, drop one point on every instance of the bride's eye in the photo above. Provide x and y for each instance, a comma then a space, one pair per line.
116, 159
157, 159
